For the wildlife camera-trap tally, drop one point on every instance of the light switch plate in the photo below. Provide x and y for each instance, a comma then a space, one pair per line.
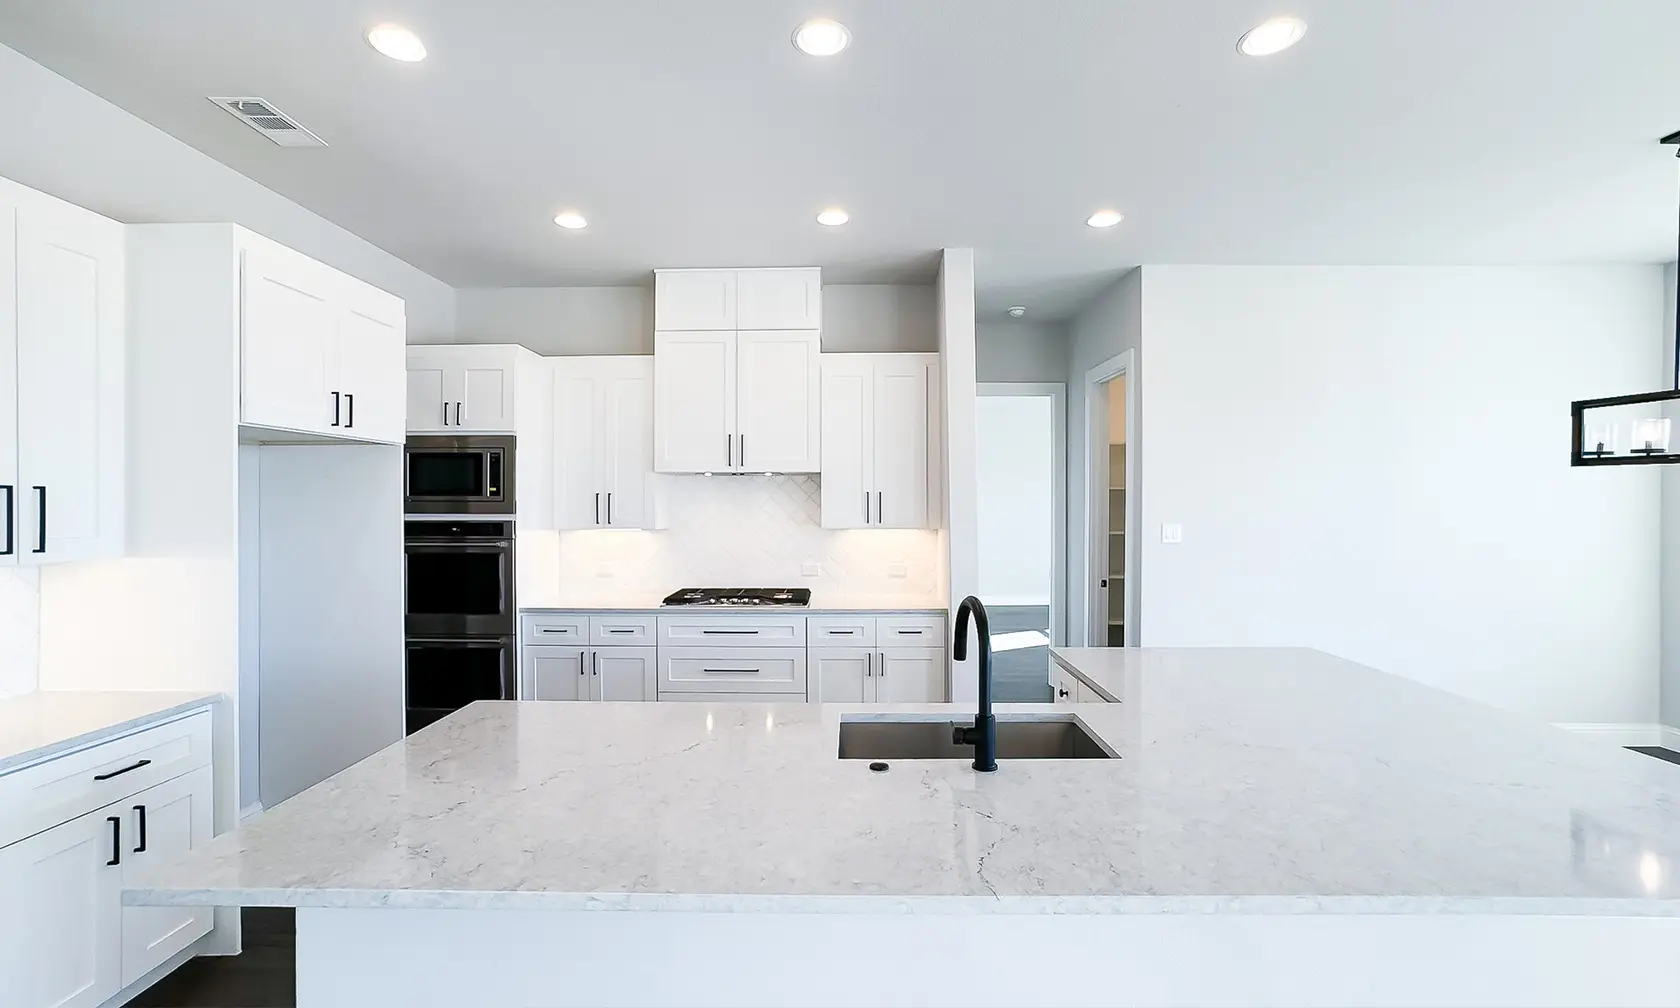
898, 570
1173, 534
811, 570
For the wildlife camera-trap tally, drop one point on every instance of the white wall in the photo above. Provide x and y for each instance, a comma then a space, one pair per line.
960, 535
1670, 532
730, 530
1015, 464
1111, 324
1020, 352
73, 144
559, 321
1373, 461
20, 629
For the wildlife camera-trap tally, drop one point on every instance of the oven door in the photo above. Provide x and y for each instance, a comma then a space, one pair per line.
459, 589
465, 476
446, 674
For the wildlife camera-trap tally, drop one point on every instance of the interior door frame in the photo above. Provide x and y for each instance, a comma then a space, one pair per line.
1095, 532
1056, 392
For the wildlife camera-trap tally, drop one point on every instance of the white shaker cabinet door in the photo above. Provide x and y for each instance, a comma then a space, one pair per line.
368, 374
11, 528
61, 914
843, 675
848, 441
486, 402
70, 382
578, 444
778, 375
288, 326
627, 445
778, 298
694, 402
163, 822
557, 673
911, 675
902, 395
694, 300
624, 674
432, 391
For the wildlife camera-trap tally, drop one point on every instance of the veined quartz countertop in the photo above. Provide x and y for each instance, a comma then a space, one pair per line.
1268, 780
35, 726
821, 602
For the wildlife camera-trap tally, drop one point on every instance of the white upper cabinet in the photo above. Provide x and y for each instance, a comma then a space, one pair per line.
61, 362
321, 352
462, 388
694, 401
777, 382
881, 444
603, 443
694, 299
778, 299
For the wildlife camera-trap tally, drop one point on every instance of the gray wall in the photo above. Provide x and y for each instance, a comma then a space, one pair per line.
77, 146
619, 320
1670, 690
1111, 324
1021, 352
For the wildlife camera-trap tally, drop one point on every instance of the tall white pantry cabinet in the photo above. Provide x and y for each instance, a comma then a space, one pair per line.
61, 363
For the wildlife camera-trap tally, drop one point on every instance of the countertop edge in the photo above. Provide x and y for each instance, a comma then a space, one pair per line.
738, 610
93, 736
1073, 670
428, 899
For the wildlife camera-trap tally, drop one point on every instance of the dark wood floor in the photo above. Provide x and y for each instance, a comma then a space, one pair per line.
263, 976
1658, 751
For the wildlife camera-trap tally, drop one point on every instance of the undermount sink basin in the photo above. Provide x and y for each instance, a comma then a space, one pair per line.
877, 739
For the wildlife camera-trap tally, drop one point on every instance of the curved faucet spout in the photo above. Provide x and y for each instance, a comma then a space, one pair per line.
983, 736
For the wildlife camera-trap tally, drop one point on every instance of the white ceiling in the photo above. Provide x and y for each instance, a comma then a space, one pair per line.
692, 133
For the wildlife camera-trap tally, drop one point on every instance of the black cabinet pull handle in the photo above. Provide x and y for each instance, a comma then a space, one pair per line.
731, 671
142, 810
734, 633
728, 450
621, 630
609, 507
335, 422
457, 414
446, 414
743, 451
41, 521
10, 543
126, 769
1061, 692
847, 633
350, 409
597, 509
116, 840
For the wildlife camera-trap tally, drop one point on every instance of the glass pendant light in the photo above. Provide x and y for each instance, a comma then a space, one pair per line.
1630, 429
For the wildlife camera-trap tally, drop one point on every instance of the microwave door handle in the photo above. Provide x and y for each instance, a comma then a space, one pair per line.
492, 465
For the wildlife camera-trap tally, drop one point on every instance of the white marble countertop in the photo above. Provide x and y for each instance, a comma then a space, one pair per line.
1104, 669
821, 602
35, 726
1276, 780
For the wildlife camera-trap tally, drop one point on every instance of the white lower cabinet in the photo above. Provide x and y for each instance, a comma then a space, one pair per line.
66, 940
605, 673
161, 822
61, 915
890, 675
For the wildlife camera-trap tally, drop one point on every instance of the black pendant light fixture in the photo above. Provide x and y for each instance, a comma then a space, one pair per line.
1599, 425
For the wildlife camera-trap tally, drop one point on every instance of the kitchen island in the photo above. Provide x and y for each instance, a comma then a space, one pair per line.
1269, 827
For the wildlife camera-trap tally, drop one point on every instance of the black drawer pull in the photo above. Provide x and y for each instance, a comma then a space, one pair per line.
141, 849
846, 633
621, 630
736, 633
119, 773
731, 671
116, 840
913, 633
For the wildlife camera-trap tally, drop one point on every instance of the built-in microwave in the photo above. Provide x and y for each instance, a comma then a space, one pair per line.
459, 475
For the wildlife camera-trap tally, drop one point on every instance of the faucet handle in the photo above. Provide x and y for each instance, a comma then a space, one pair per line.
963, 735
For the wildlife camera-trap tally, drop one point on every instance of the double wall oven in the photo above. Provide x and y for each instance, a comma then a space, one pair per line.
461, 615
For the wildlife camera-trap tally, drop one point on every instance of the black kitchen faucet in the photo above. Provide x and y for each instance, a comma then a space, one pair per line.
983, 736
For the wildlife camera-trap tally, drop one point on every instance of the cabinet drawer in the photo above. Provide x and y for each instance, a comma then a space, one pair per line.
732, 631
910, 631
626, 630
840, 631
566, 629
43, 795
732, 670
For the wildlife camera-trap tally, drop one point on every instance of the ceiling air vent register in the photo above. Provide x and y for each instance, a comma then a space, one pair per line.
269, 121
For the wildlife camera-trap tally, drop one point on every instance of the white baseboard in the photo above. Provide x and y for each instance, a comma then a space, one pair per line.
1628, 734
250, 810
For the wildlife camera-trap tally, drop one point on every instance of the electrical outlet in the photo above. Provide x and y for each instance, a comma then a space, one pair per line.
1172, 534
810, 570
898, 570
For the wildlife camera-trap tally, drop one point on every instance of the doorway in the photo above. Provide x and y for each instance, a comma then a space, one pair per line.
1021, 475
1111, 503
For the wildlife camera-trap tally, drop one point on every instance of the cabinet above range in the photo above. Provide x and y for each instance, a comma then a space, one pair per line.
736, 370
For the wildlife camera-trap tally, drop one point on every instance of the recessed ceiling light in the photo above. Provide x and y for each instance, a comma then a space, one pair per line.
1105, 218
571, 220
833, 217
1273, 36
821, 37
397, 42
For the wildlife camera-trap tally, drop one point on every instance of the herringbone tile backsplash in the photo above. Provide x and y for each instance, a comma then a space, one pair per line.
729, 532
20, 629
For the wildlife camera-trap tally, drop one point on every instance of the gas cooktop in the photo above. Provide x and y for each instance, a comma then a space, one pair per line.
739, 597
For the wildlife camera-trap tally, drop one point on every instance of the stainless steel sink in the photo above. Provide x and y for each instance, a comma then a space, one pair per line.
879, 739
